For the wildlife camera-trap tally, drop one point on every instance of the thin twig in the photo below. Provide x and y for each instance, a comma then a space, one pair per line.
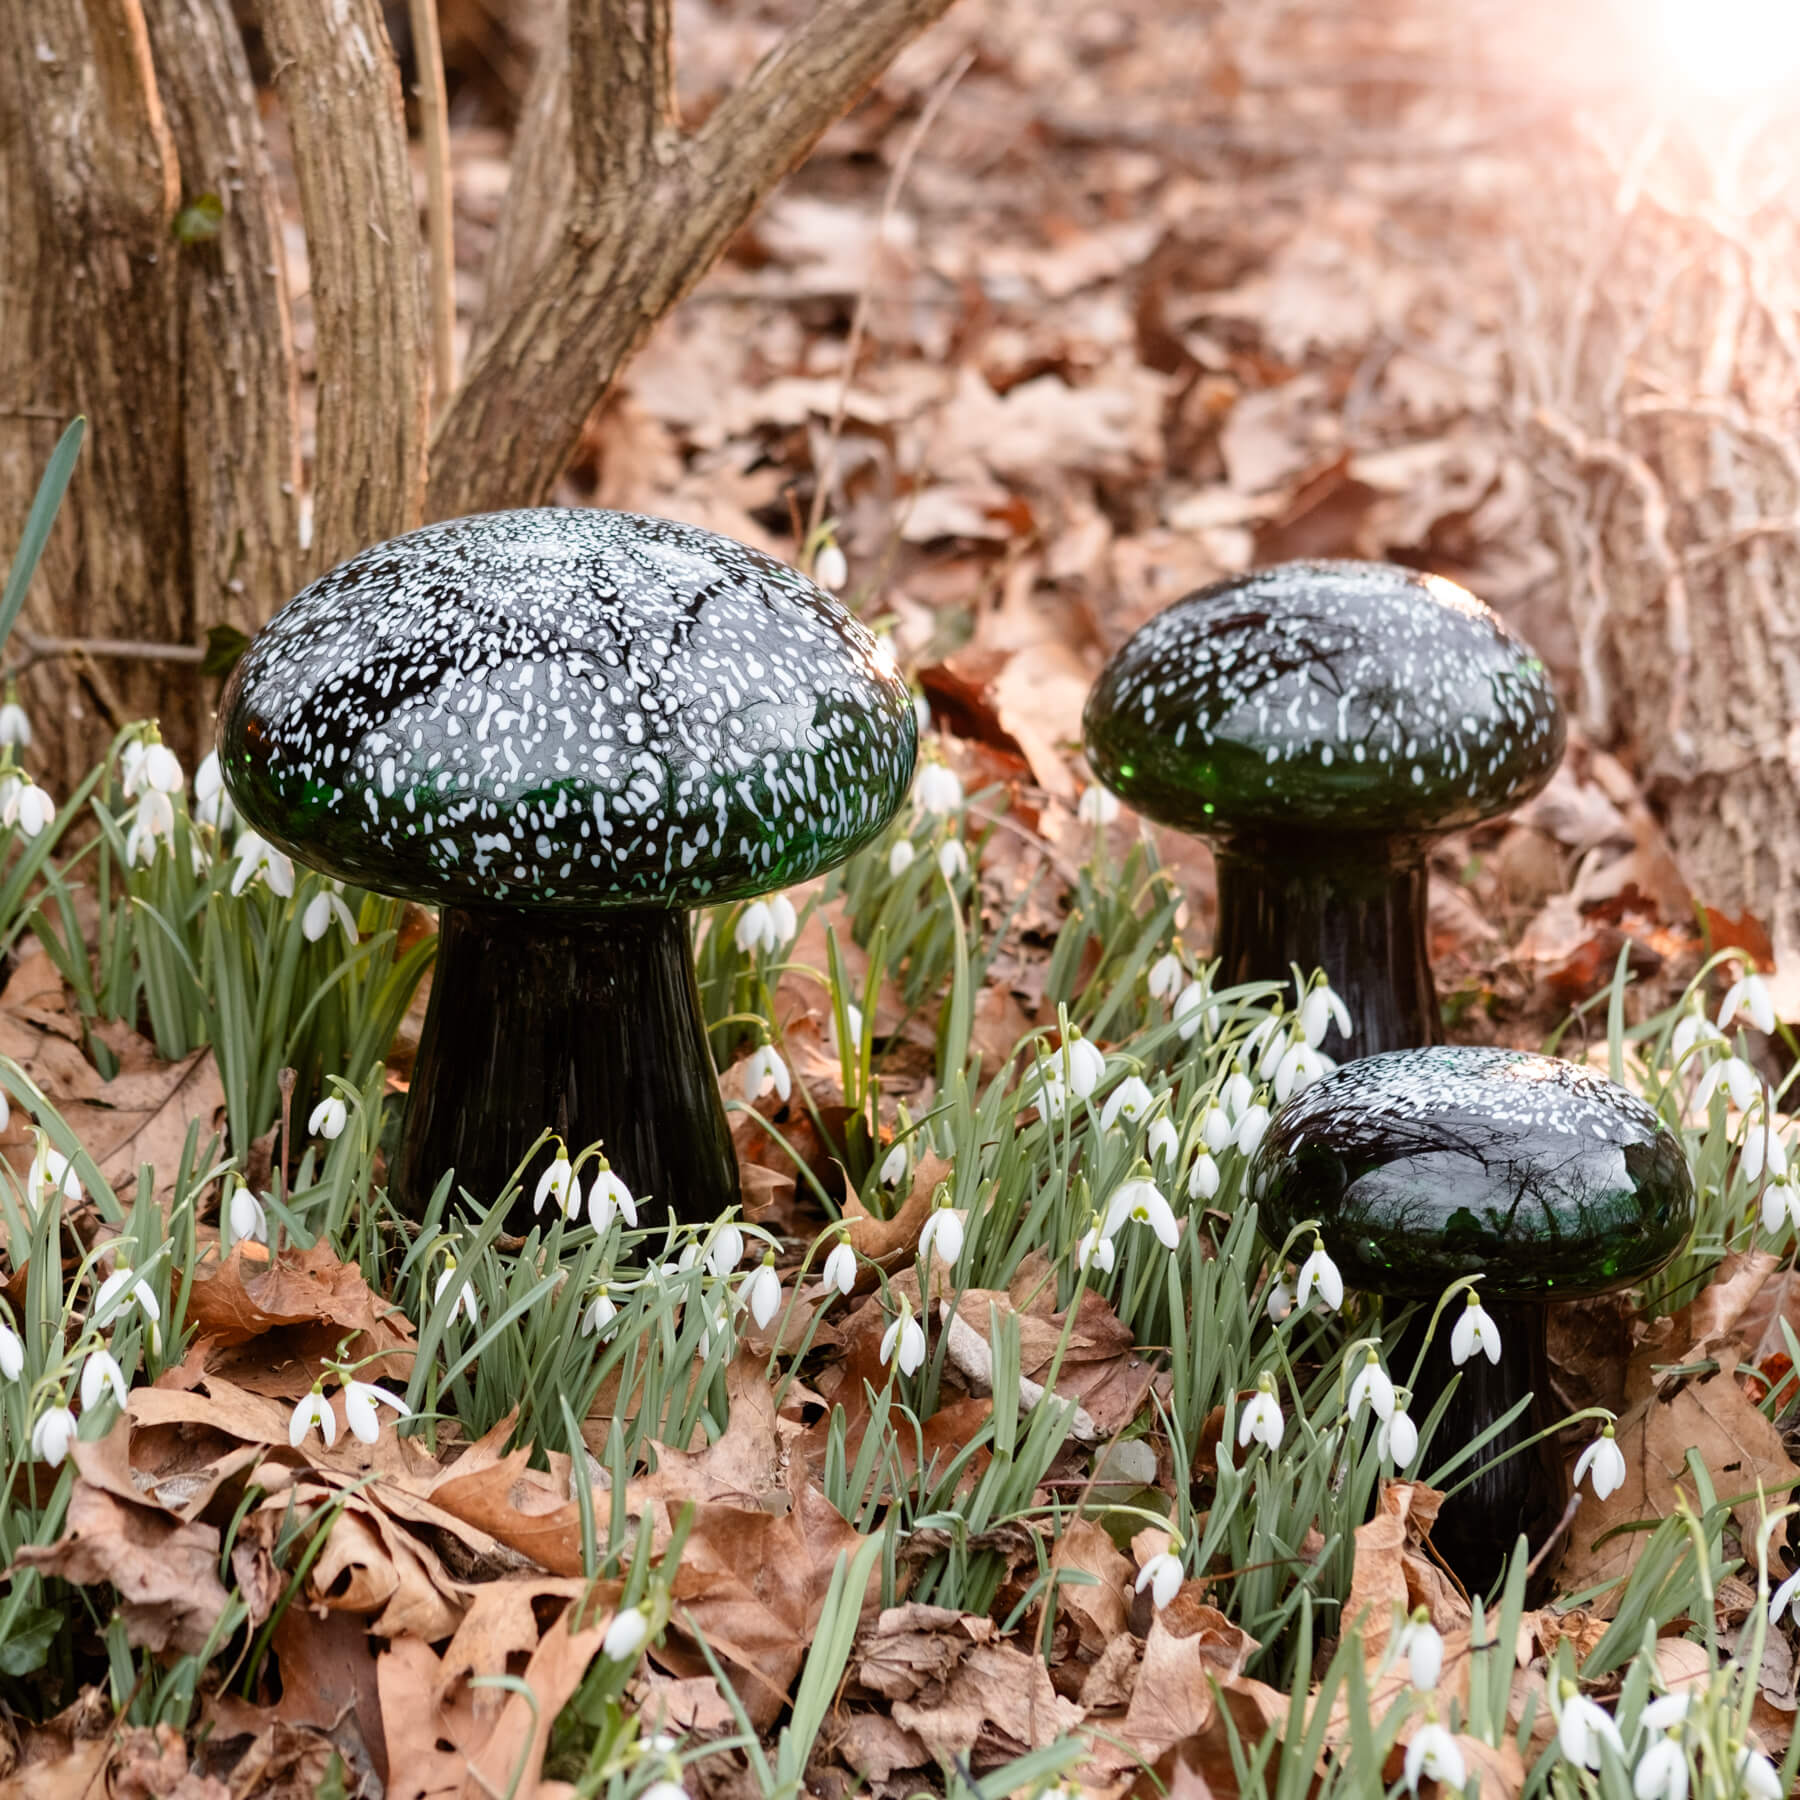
39, 649
440, 222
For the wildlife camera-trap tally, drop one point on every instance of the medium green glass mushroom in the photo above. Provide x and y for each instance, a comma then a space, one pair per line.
1425, 1166
565, 728
1322, 722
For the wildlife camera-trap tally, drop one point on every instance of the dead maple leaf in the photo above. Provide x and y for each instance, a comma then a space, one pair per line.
1190, 1649
997, 1704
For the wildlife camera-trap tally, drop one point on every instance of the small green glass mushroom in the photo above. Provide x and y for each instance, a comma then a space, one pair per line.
1422, 1167
1322, 722
565, 728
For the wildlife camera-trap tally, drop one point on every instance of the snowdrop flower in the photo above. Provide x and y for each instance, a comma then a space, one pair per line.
30, 809
1319, 1011
610, 1198
1130, 1100
1781, 1207
952, 859
465, 1298
1096, 806
1662, 1771
853, 1026
1280, 1301
1237, 1092
1261, 1419
1740, 1080
764, 1070
1475, 1330
908, 1336
256, 856
830, 568
1203, 1178
1433, 1753
1584, 1728
1095, 1248
329, 1117
1266, 1042
1607, 1461
760, 1291
1423, 1649
1251, 1126
1166, 977
15, 727
321, 909
755, 928
1749, 993
1044, 1089
1782, 1600
359, 1408
212, 805
1373, 1388
309, 1410
50, 1176
101, 1374
1757, 1775
1321, 1273
154, 822
1398, 1438
1300, 1066
1192, 1009
558, 1183
942, 1236
12, 1352
1084, 1062
161, 769
626, 1635
1763, 1148
900, 858
665, 1790
130, 1289
1162, 1575
840, 1266
1163, 1143
53, 1433
893, 1166
597, 1321
727, 1249
1694, 1028
1141, 1199
1664, 1713
937, 789
1216, 1128
244, 1215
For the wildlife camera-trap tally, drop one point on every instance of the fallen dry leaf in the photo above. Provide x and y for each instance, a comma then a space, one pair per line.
1190, 1648
997, 1704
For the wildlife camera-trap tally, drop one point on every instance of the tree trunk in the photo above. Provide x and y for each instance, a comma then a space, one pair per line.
1657, 367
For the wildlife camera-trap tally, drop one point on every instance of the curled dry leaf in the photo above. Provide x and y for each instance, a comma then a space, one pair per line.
997, 1704
880, 1239
1190, 1648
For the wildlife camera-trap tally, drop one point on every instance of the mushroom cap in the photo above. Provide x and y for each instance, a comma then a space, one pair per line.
563, 707
1341, 696
1422, 1166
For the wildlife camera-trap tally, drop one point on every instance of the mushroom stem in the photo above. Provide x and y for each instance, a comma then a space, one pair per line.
1353, 905
590, 1026
1477, 1529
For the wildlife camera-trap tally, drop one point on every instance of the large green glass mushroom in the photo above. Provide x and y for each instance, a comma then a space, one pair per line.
1422, 1167
564, 728
1321, 722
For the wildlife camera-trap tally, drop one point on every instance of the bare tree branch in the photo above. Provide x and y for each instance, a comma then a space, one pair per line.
622, 95
440, 211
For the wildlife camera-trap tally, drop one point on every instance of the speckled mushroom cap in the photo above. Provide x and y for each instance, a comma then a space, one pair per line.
1422, 1166
1340, 696
566, 708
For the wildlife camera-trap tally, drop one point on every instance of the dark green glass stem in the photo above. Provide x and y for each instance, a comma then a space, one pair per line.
588, 1026
1354, 907
1478, 1528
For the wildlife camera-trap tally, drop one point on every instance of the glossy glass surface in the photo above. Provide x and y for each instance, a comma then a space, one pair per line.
1343, 696
1425, 1165
566, 708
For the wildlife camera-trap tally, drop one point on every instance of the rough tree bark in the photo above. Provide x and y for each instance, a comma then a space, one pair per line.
1657, 362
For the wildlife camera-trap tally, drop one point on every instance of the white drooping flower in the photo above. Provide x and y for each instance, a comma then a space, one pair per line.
312, 1409
1280, 1301
244, 1215
1750, 994
609, 1198
15, 726
1371, 1387
1237, 1093
597, 1321
1757, 1775
626, 1635
1781, 1206
1251, 1126
1162, 1575
1261, 1418
1662, 1771
893, 1166
256, 856
1583, 1728
764, 1071
12, 1352
50, 1176
1097, 806
359, 1408
760, 1291
952, 859
28, 807
53, 1433
1319, 1011
1203, 1178
1740, 1081
907, 1336
1045, 1089
900, 858
937, 789
1319, 1274
1607, 1462
840, 1266
1783, 1598
1216, 1127
1141, 1199
152, 824
1423, 1647
1095, 1248
329, 1117
726, 1250
101, 1374
1300, 1066
1129, 1101
1085, 1064
1398, 1438
128, 1288
831, 569
1163, 1141
327, 904
1763, 1148
755, 929
1694, 1028
942, 1236
465, 1294
1433, 1752
212, 805
1166, 976
1475, 1330
558, 1183
1193, 1008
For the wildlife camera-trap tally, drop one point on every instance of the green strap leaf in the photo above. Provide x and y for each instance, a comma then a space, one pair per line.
38, 522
